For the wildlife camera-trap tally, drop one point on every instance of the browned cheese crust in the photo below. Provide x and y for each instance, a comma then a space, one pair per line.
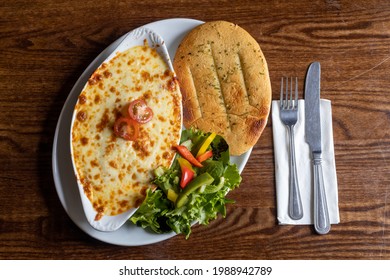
225, 83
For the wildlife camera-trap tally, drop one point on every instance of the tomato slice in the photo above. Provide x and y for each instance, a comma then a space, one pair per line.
139, 111
126, 128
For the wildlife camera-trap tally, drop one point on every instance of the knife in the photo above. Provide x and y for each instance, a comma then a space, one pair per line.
313, 138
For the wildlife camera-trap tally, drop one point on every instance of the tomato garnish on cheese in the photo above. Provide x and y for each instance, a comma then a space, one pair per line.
114, 172
139, 111
126, 128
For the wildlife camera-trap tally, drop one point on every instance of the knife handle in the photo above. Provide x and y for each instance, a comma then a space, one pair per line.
295, 210
321, 215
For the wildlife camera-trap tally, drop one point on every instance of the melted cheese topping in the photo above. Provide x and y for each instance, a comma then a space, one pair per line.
116, 173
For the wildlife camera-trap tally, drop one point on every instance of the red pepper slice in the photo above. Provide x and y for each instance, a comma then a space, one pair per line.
126, 128
185, 153
187, 173
186, 176
139, 111
205, 156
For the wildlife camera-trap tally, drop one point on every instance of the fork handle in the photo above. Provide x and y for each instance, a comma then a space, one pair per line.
295, 210
321, 215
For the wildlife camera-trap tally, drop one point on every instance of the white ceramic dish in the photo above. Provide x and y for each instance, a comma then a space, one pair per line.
134, 38
172, 31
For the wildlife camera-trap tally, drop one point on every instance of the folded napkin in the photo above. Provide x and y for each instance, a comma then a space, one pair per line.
304, 165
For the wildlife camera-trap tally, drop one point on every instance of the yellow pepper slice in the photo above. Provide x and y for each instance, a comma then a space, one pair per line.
206, 144
172, 196
186, 163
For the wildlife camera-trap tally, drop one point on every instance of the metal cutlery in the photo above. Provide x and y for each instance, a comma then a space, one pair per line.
289, 117
313, 138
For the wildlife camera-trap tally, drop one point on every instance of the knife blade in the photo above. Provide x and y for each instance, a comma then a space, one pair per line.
313, 138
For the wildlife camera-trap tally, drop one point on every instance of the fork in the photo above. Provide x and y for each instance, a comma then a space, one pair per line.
289, 117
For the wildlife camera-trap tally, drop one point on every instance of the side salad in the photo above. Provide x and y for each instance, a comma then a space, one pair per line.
193, 189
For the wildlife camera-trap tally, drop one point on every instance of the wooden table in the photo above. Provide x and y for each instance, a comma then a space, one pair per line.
46, 45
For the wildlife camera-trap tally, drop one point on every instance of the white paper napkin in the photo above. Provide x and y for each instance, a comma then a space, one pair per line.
304, 165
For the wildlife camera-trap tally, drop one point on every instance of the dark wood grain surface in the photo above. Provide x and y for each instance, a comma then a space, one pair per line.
46, 45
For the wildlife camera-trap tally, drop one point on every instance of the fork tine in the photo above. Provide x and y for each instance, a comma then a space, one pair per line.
290, 99
296, 93
286, 100
281, 93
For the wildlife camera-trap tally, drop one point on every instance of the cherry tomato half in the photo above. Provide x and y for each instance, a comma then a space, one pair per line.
126, 128
139, 111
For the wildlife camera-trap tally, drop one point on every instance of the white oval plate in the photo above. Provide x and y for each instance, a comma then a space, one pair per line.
172, 31
137, 37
